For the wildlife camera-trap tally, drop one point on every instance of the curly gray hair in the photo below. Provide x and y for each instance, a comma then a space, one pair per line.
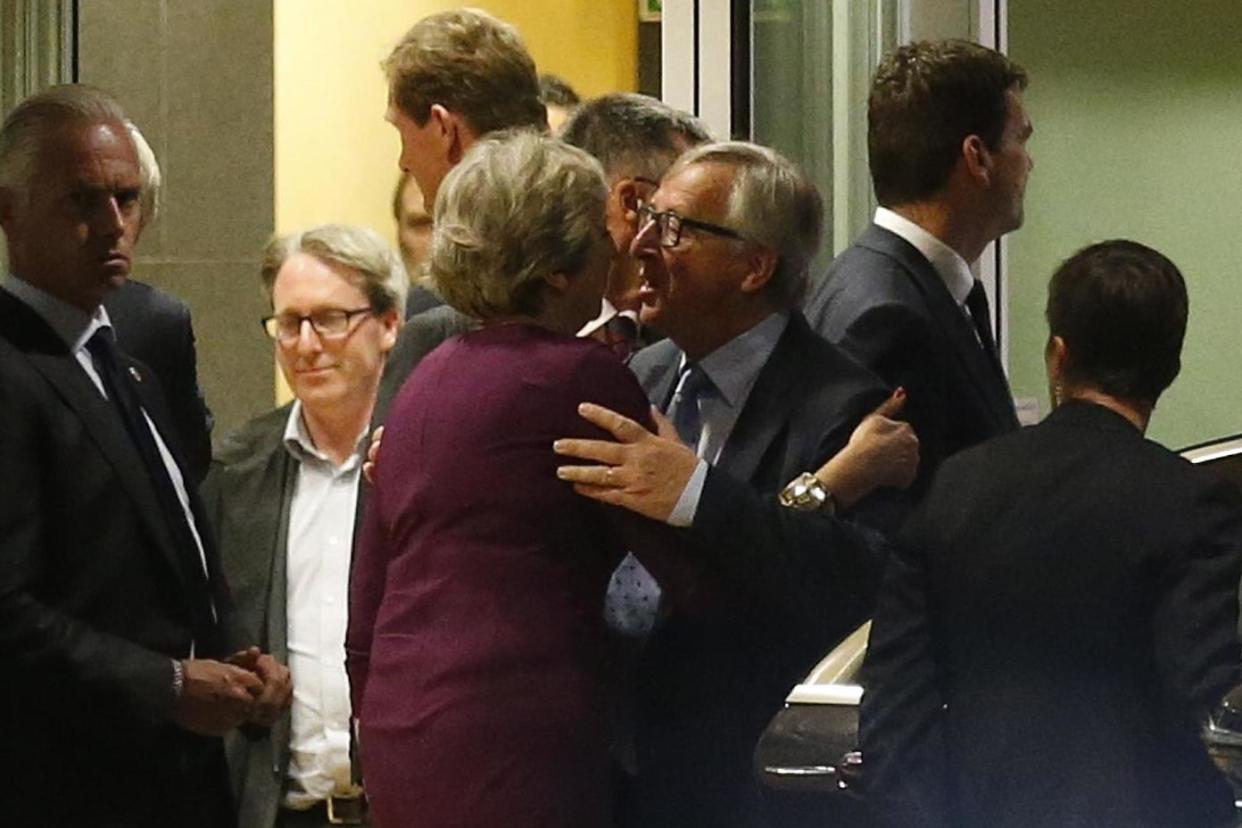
518, 208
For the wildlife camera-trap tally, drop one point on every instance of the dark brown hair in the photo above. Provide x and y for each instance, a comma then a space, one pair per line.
926, 98
1121, 308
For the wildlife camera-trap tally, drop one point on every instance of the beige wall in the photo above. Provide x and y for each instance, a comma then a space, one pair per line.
197, 79
336, 158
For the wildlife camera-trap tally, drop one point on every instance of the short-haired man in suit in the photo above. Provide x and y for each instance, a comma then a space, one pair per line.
636, 139
155, 327
283, 490
1059, 618
114, 619
947, 135
757, 399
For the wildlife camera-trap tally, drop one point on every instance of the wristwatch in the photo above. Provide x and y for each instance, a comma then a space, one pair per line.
806, 493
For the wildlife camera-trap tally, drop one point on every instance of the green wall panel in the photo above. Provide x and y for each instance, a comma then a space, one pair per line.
1137, 106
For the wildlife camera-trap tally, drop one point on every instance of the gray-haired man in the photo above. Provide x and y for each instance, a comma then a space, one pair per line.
283, 490
756, 399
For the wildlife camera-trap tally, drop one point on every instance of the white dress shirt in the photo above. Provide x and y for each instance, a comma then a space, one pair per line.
733, 369
953, 270
321, 530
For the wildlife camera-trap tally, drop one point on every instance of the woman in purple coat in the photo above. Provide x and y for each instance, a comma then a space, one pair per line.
476, 642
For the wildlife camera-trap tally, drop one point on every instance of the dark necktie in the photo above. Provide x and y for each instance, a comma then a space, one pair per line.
687, 418
632, 604
124, 397
977, 304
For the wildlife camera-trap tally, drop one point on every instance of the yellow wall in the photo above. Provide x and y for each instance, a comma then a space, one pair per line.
336, 157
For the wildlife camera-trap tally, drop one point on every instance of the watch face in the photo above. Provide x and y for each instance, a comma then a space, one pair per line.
805, 493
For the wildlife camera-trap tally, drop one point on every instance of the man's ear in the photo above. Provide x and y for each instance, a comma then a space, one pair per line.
391, 322
760, 267
625, 191
977, 159
1056, 354
621, 213
456, 133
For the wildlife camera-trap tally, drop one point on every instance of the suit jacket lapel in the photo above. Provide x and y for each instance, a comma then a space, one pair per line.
48, 356
764, 415
984, 369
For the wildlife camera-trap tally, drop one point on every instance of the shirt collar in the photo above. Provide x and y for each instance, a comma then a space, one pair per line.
734, 366
73, 325
299, 444
947, 262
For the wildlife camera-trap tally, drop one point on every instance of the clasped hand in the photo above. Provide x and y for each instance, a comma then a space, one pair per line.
216, 696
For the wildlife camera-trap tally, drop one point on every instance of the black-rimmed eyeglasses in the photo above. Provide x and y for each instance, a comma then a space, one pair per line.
328, 324
670, 225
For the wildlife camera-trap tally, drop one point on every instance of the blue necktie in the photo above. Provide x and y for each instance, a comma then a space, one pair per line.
633, 600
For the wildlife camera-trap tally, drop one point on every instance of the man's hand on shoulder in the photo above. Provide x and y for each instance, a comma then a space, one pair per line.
643, 472
276, 692
215, 697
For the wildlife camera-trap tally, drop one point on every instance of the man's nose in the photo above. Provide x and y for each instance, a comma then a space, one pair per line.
647, 237
308, 341
110, 217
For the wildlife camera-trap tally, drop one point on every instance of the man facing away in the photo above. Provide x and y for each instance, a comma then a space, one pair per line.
114, 617
283, 490
452, 78
947, 132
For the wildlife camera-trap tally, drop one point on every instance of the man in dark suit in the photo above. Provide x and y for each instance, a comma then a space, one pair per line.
947, 135
757, 398
113, 617
155, 327
1060, 616
283, 492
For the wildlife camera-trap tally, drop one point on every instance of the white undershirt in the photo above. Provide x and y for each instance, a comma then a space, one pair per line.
321, 529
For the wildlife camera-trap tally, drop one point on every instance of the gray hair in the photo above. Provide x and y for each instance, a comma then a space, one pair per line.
27, 127
518, 208
380, 274
772, 204
633, 135
149, 176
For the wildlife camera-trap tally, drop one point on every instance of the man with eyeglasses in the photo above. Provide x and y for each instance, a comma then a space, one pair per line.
755, 399
284, 490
